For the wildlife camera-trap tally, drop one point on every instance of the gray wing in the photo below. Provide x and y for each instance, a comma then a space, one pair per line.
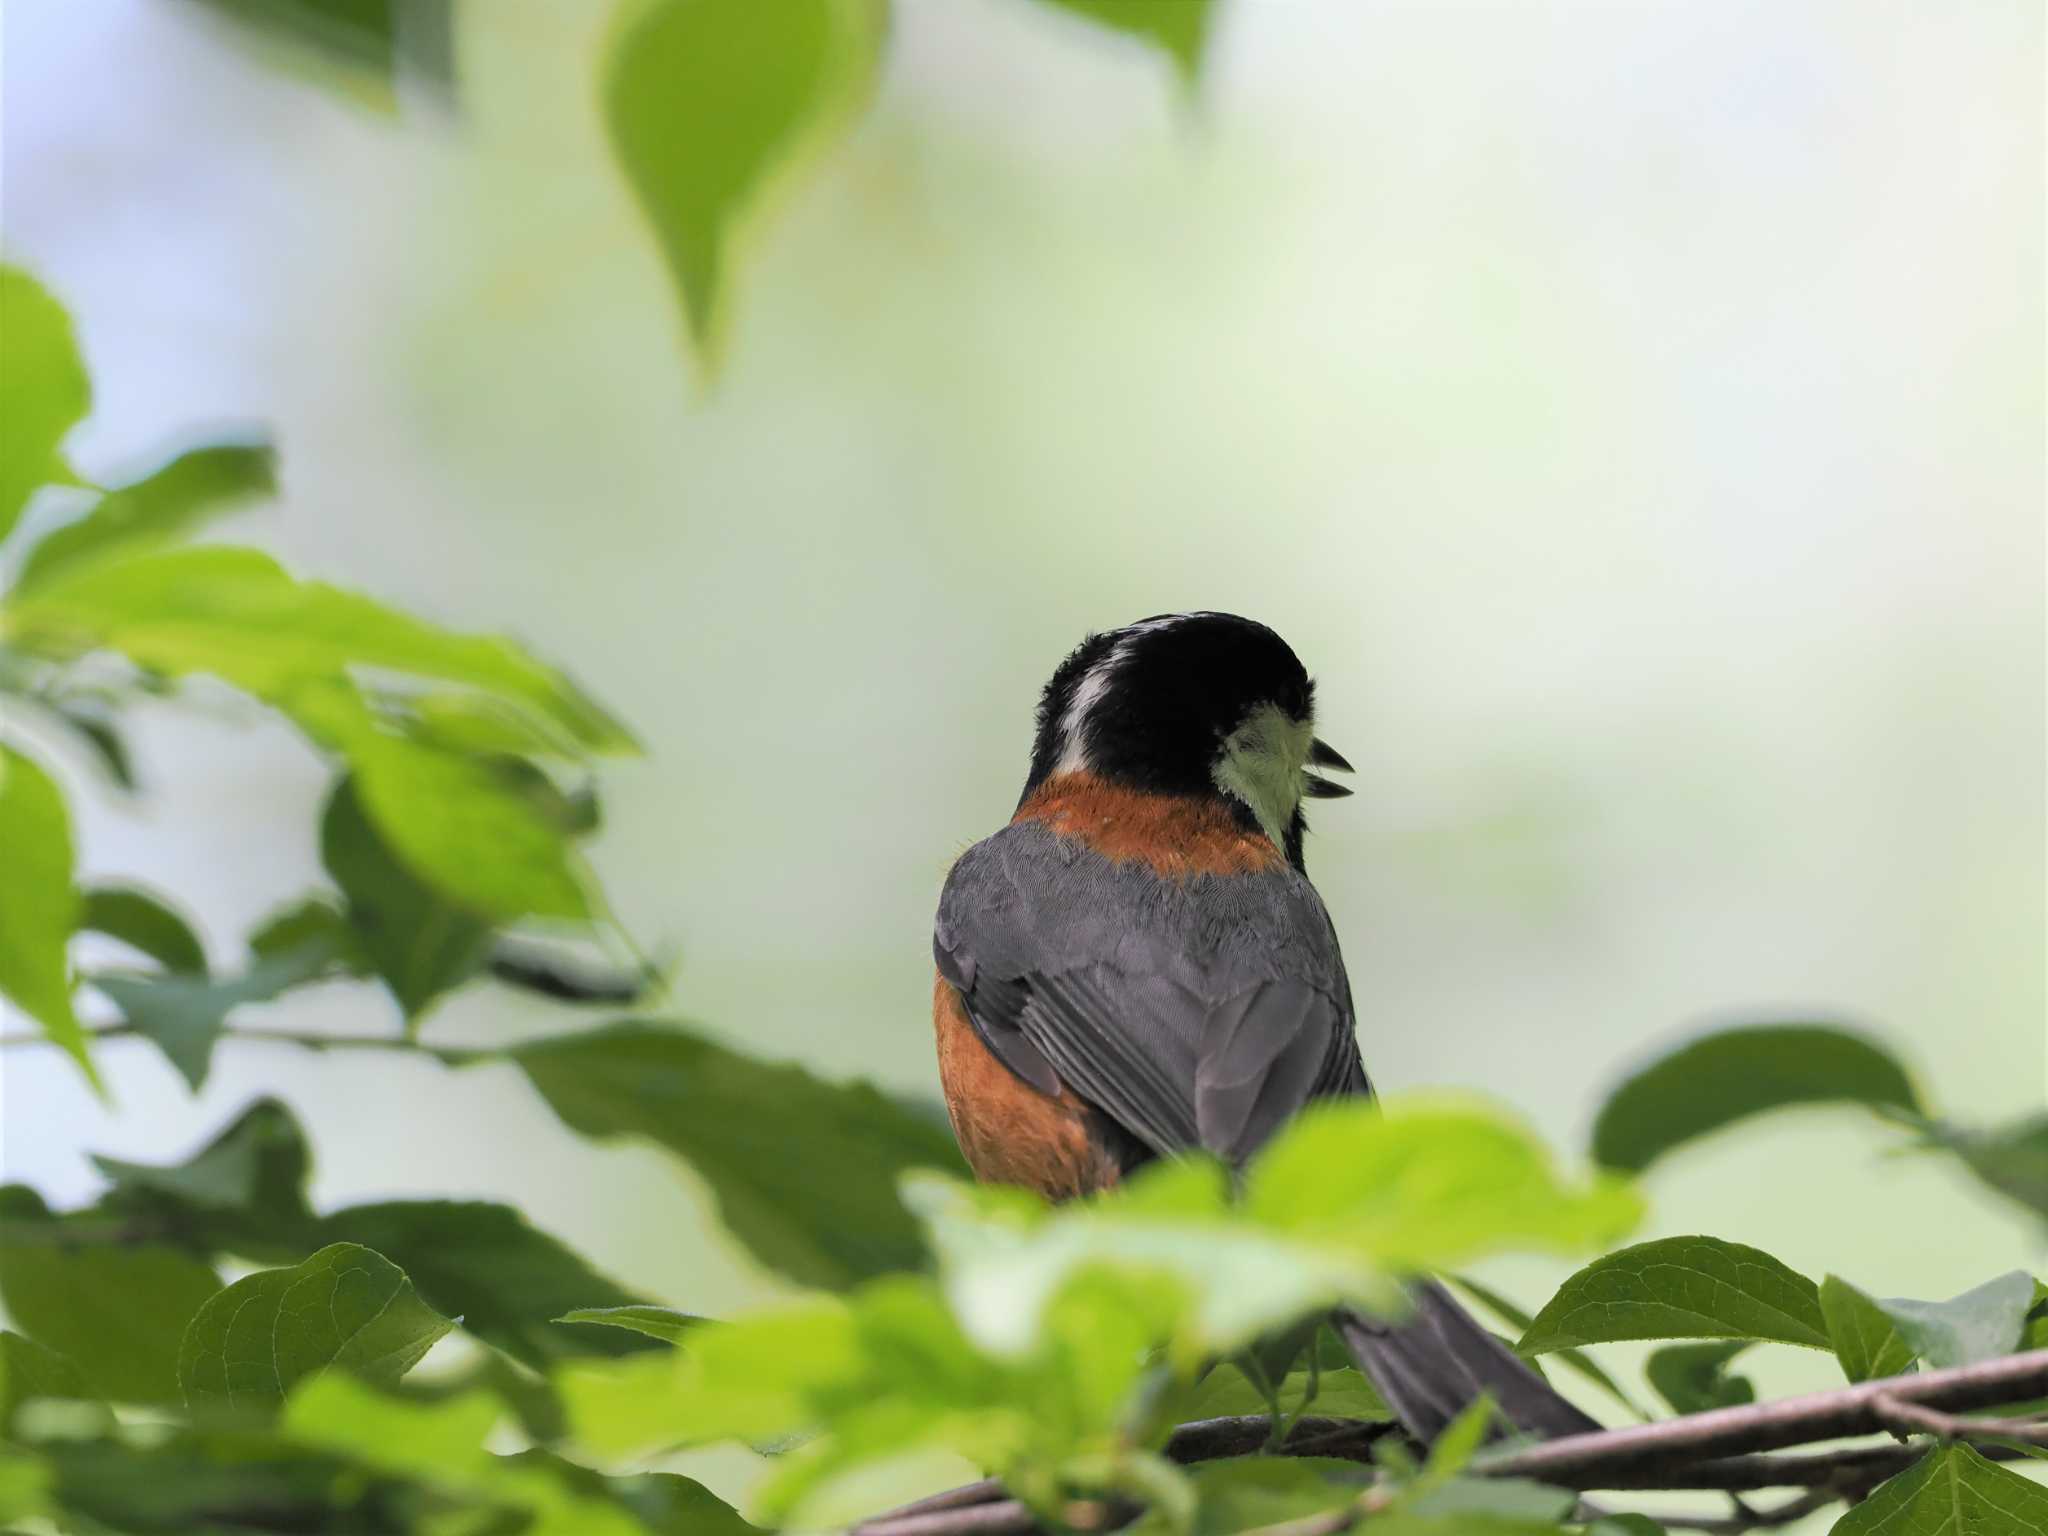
1194, 1013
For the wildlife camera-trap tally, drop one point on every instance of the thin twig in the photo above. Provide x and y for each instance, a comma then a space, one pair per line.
311, 1039
1909, 1418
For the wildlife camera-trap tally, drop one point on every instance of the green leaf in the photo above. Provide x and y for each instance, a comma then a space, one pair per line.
1951, 1491
664, 1323
1732, 1074
1625, 1524
184, 1015
345, 1307
804, 1171
2011, 1158
360, 48
44, 391
1576, 1360
96, 732
116, 1309
313, 923
507, 1281
1693, 1378
38, 903
1681, 1288
1980, 1324
1252, 1492
458, 823
255, 1167
163, 506
1426, 1184
238, 615
1864, 1337
188, 1484
1179, 28
146, 924
713, 106
421, 944
441, 1445
28, 1370
1340, 1392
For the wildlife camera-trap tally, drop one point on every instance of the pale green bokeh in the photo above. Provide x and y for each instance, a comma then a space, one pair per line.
1633, 416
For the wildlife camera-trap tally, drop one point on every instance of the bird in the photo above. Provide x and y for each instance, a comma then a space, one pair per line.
1137, 967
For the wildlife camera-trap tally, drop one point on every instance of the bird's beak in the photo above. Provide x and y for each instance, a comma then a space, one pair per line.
1323, 755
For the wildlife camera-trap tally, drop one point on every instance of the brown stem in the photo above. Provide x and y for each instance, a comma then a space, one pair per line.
1666, 1451
1909, 1418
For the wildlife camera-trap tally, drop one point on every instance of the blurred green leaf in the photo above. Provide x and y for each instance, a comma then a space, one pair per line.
358, 46
29, 1370
1951, 1491
146, 924
1732, 1074
1518, 1319
238, 615
2011, 1158
117, 1310
443, 1446
1864, 1338
664, 1323
1340, 1392
456, 822
803, 1171
94, 729
255, 1168
1343, 1202
1981, 1324
345, 1307
507, 1281
713, 105
1179, 28
421, 944
463, 825
1693, 1378
244, 1193
1625, 1524
1484, 1506
315, 924
1252, 1492
886, 1371
214, 1485
38, 904
184, 1015
163, 506
1424, 1184
44, 391
1681, 1288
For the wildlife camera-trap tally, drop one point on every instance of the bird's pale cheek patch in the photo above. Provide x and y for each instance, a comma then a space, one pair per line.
1263, 763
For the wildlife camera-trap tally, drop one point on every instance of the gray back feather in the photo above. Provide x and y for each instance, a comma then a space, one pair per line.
1198, 1012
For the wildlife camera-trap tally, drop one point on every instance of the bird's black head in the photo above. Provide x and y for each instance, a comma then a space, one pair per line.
1190, 704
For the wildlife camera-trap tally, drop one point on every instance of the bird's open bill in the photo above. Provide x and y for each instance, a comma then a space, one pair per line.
1323, 755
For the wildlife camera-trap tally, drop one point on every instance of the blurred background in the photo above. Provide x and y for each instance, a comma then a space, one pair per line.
1632, 414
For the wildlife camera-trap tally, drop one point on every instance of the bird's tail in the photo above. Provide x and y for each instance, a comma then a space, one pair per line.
1434, 1363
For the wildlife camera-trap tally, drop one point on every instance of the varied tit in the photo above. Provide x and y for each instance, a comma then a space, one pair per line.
1137, 965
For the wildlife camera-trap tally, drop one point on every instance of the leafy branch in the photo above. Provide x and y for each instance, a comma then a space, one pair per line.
1697, 1451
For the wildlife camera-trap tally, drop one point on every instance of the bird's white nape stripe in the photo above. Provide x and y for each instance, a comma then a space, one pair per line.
1095, 683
